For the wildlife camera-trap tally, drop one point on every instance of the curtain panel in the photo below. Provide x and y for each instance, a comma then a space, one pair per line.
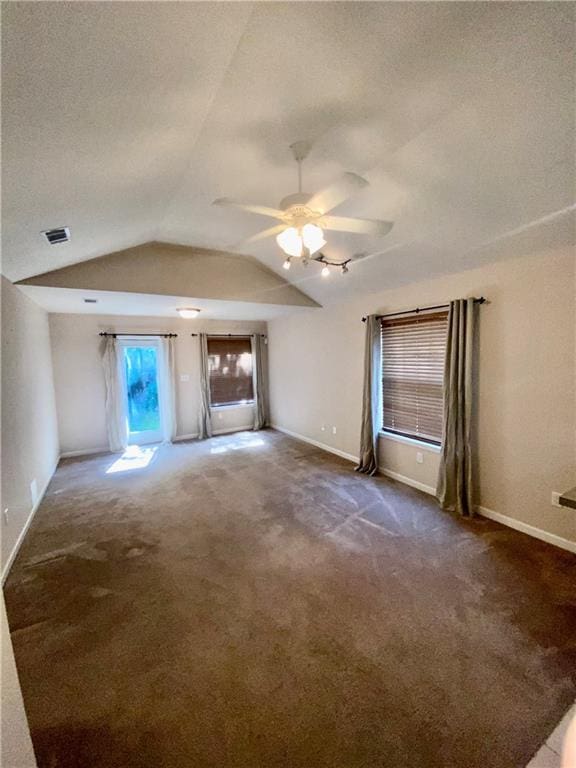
115, 416
260, 379
372, 398
205, 420
455, 477
168, 389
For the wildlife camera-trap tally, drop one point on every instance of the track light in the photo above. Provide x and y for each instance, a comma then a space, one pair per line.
325, 272
286, 264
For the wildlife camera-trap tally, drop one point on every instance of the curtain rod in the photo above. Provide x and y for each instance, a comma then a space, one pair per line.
161, 335
415, 311
231, 335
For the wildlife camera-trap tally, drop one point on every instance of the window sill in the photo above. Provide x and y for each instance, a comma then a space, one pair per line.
410, 441
232, 406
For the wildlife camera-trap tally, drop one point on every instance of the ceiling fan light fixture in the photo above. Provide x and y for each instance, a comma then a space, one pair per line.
188, 313
313, 237
294, 241
290, 242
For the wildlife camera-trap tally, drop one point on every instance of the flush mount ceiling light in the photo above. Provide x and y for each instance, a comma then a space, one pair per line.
188, 313
304, 217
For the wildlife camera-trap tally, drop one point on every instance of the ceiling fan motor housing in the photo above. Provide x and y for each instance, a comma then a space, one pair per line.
298, 199
296, 210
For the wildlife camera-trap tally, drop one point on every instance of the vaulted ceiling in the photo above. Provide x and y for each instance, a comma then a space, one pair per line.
124, 121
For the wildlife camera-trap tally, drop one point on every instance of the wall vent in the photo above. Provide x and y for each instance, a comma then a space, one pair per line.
58, 235
90, 301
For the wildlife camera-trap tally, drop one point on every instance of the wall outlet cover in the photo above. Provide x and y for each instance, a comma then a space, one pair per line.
419, 457
333, 430
184, 377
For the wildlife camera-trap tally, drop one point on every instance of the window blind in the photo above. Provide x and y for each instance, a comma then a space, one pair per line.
413, 352
230, 370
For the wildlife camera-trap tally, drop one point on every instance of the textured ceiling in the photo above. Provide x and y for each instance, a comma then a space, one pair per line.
124, 121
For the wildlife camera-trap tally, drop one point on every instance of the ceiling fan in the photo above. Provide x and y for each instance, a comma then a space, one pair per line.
304, 217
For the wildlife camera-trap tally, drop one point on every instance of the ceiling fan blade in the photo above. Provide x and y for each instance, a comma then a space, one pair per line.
328, 198
262, 235
358, 226
262, 210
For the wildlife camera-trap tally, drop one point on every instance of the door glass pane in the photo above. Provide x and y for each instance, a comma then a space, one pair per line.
142, 389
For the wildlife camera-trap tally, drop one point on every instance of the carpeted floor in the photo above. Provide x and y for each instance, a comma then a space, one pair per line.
252, 602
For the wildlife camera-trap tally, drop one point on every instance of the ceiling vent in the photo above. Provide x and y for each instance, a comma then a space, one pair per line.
59, 235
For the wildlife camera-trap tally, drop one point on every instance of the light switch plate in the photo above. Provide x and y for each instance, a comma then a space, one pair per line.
184, 377
419, 457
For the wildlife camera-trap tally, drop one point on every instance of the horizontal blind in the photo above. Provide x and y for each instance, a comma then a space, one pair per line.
230, 369
413, 353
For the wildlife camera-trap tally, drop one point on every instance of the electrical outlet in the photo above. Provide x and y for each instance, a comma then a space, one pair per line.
220, 417
555, 500
5, 516
419, 457
333, 430
184, 377
323, 428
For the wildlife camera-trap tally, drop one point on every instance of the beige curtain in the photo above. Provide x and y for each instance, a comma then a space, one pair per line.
168, 389
455, 481
372, 398
260, 381
205, 420
115, 415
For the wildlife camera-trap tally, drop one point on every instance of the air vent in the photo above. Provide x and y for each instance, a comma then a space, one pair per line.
59, 235
90, 301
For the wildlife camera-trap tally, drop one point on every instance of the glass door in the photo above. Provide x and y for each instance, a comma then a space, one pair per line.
140, 362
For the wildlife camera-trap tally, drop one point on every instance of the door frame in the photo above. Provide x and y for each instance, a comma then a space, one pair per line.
148, 436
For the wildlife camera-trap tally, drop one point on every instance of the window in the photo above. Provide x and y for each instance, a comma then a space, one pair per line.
413, 352
230, 368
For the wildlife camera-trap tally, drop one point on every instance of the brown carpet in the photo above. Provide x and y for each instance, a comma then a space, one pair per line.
252, 602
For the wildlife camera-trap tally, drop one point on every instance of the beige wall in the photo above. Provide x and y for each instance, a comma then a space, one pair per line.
527, 429
79, 379
164, 268
29, 426
16, 746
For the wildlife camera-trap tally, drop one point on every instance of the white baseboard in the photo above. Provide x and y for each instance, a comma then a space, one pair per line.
27, 524
510, 522
177, 439
84, 452
225, 431
531, 530
316, 443
230, 430
408, 481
